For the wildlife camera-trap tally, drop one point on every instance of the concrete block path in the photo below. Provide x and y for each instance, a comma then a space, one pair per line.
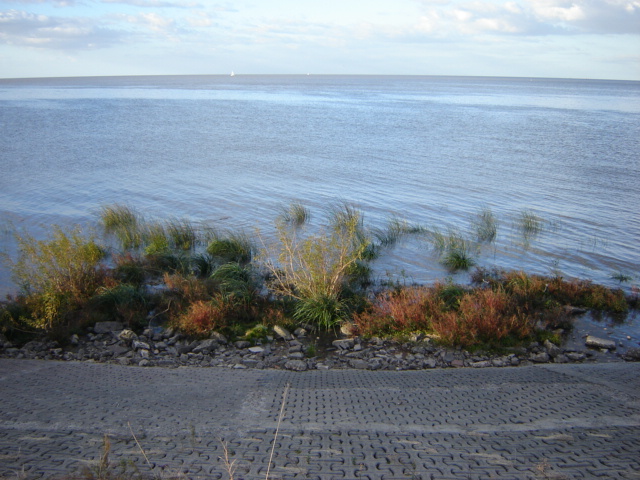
535, 422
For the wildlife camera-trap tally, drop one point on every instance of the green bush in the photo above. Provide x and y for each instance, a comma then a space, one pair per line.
57, 275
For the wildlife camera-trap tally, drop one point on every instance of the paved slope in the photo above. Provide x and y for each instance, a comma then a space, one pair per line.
553, 421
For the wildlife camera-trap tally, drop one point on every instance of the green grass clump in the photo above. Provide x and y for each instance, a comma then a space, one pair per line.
529, 224
486, 226
323, 311
395, 230
455, 251
234, 247
182, 234
124, 223
295, 214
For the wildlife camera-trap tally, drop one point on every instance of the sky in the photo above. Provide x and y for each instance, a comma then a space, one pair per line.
515, 38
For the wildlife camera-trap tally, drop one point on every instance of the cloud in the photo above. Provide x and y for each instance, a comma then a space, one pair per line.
56, 3
529, 17
43, 31
155, 3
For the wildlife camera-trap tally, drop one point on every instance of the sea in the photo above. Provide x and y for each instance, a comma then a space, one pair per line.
229, 152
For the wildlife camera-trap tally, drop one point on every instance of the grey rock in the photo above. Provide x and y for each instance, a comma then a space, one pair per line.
575, 356
552, 350
542, 357
295, 348
429, 363
346, 344
206, 346
242, 344
144, 363
107, 327
457, 363
596, 342
282, 332
481, 364
300, 332
562, 358
296, 365
220, 338
138, 345
296, 355
632, 354
256, 350
359, 364
75, 340
127, 336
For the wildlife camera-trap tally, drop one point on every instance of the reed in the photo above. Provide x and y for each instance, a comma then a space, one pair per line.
529, 224
295, 214
182, 234
486, 226
232, 248
455, 251
395, 230
124, 223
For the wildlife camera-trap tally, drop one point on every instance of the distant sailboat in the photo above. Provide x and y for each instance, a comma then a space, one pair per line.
233, 74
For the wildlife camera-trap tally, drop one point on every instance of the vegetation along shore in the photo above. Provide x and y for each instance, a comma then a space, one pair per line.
170, 292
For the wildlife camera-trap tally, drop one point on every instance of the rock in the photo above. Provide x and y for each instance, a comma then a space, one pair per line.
300, 332
242, 344
206, 346
481, 364
118, 350
107, 327
218, 337
143, 363
348, 329
552, 350
296, 365
283, 333
256, 350
296, 355
239, 366
561, 358
596, 342
457, 363
127, 336
542, 357
359, 364
429, 363
575, 356
295, 348
346, 344
138, 345
75, 339
633, 355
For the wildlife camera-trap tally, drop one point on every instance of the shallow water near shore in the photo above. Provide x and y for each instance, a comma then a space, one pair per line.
228, 152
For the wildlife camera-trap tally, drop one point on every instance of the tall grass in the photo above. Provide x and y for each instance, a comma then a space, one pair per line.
486, 226
395, 230
232, 247
295, 214
124, 223
455, 251
529, 224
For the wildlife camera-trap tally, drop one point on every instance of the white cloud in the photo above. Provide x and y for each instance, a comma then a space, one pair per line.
29, 29
156, 3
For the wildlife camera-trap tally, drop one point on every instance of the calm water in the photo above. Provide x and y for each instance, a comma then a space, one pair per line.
228, 151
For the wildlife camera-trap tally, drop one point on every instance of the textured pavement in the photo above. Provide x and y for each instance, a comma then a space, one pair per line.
536, 422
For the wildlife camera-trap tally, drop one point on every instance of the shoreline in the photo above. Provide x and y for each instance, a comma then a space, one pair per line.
110, 342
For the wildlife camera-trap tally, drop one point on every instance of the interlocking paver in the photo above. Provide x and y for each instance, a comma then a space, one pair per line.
555, 421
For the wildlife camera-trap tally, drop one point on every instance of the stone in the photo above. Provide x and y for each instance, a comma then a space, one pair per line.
218, 337
282, 333
596, 342
206, 346
296, 355
143, 363
138, 345
346, 344
359, 364
107, 327
295, 348
296, 365
429, 363
348, 329
562, 358
242, 344
575, 356
569, 310
542, 357
632, 354
457, 363
300, 332
74, 340
481, 364
256, 350
127, 336
552, 350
